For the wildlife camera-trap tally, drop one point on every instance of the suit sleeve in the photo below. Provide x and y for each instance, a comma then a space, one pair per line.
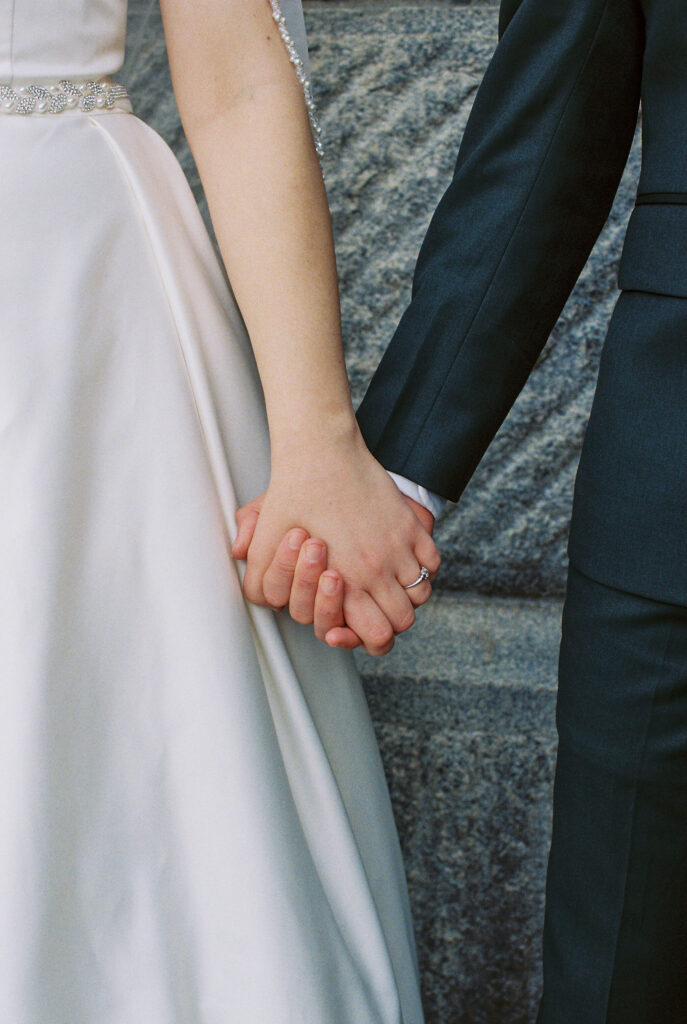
538, 168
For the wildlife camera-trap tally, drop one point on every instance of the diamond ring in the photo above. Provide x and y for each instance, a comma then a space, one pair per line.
424, 575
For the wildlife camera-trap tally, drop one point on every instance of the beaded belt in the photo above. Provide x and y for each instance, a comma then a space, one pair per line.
65, 95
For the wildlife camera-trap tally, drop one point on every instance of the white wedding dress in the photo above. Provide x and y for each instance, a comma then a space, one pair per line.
194, 822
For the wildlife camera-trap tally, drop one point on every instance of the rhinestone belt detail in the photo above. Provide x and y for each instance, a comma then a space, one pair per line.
66, 95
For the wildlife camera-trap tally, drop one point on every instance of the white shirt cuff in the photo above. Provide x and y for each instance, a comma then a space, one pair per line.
434, 503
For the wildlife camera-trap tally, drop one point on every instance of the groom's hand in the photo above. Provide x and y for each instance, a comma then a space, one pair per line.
297, 577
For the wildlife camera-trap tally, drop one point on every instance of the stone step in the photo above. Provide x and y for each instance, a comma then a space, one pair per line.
464, 712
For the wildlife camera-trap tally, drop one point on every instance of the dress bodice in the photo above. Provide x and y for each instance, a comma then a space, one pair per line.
61, 38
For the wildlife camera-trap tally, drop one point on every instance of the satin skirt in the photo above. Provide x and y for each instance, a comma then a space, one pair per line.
194, 822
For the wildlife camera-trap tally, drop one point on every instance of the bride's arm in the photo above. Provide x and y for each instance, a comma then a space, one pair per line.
244, 115
245, 118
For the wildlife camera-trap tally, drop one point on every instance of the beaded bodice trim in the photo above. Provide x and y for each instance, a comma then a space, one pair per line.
64, 95
301, 74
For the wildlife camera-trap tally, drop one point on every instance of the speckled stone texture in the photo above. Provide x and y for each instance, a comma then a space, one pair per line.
464, 712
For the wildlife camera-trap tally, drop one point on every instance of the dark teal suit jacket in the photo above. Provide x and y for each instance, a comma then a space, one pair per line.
537, 171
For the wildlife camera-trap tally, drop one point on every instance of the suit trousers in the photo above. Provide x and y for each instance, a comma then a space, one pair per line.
615, 937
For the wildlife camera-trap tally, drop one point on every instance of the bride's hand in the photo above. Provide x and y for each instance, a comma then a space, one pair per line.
376, 543
296, 576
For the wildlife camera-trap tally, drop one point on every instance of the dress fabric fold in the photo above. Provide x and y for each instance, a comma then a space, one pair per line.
195, 823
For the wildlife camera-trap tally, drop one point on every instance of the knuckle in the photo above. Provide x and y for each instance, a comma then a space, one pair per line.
395, 537
380, 636
302, 617
433, 558
253, 593
381, 650
434, 563
301, 613
308, 576
430, 560
374, 563
405, 534
405, 621
283, 566
273, 595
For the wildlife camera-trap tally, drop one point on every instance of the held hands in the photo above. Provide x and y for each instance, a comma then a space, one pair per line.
353, 587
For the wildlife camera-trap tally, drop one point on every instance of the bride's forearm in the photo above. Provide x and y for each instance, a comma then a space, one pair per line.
270, 214
245, 117
252, 143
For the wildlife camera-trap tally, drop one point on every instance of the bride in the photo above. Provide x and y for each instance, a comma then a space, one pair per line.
195, 827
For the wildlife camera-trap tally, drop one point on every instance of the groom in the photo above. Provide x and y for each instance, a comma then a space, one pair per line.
537, 171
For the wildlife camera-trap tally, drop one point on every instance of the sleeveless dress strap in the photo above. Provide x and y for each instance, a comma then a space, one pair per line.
288, 14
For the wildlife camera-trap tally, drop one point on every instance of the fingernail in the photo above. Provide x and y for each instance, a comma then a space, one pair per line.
329, 584
313, 552
295, 540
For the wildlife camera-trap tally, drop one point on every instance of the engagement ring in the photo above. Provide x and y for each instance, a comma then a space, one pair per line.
424, 575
